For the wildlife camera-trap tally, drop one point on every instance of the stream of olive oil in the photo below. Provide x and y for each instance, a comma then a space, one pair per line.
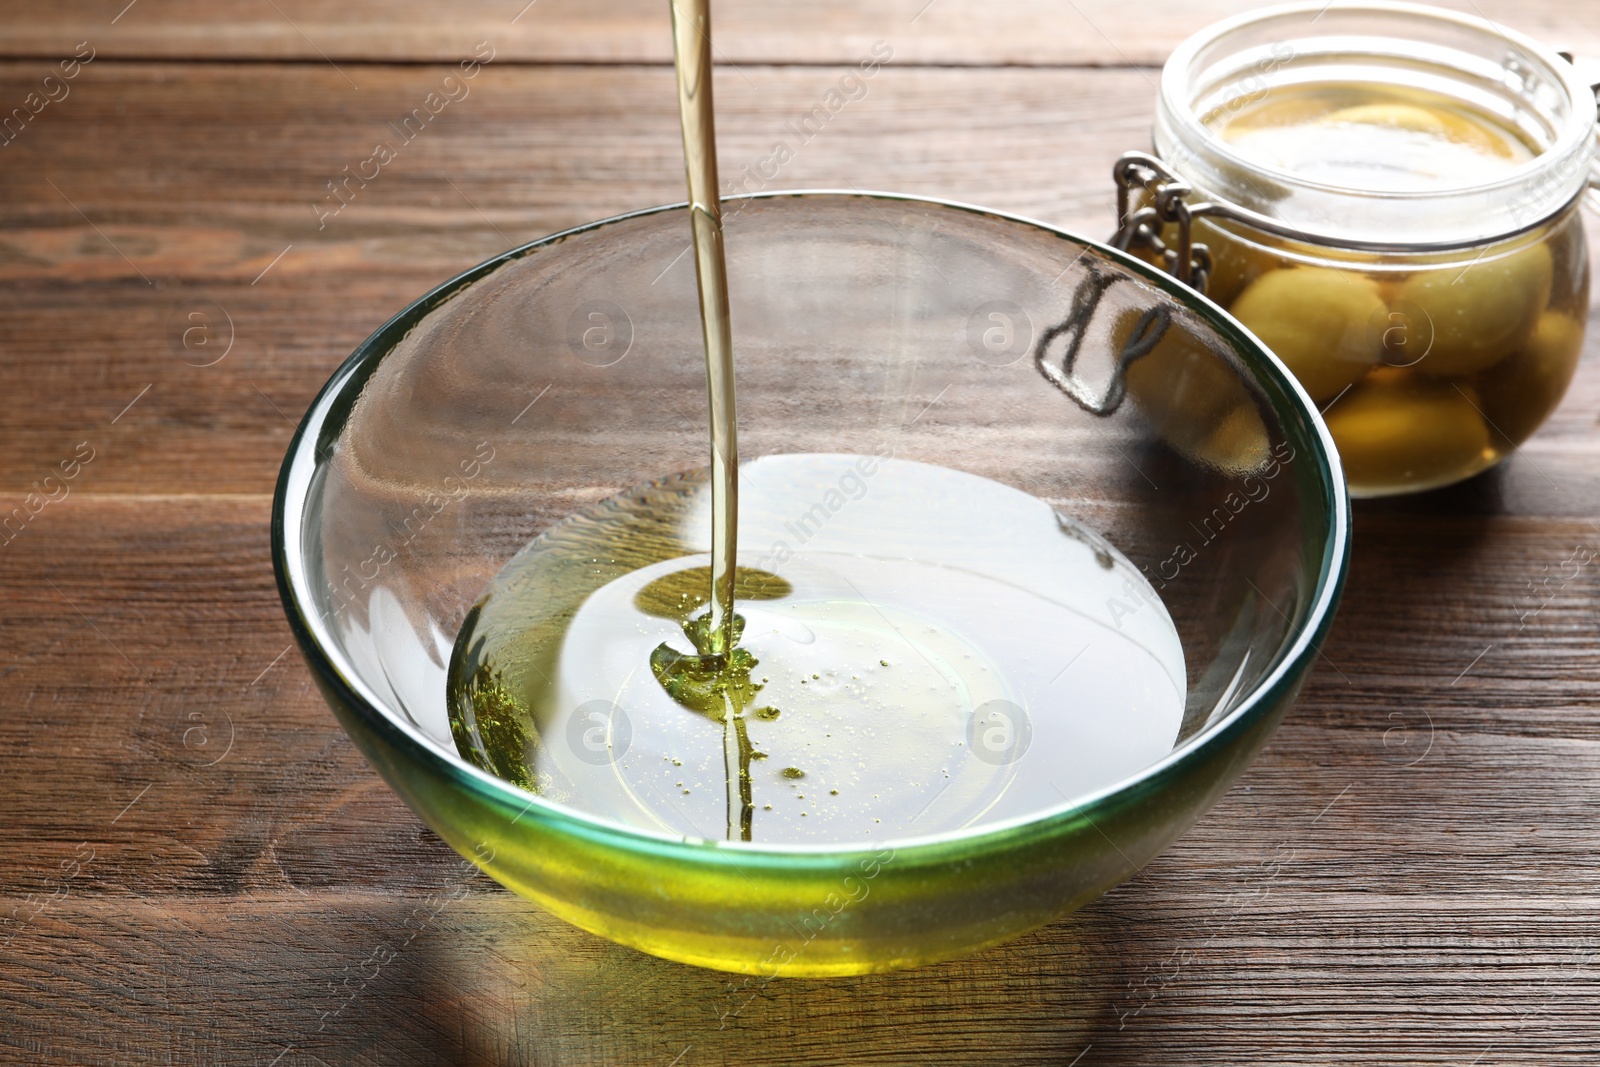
691, 49
714, 680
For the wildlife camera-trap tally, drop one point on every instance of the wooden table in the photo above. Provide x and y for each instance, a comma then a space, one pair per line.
197, 867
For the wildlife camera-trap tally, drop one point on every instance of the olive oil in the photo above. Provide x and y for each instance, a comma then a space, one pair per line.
938, 651
907, 649
691, 49
1382, 138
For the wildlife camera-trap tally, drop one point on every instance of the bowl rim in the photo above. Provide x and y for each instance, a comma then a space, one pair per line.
337, 396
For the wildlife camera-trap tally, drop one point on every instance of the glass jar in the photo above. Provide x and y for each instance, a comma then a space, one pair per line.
1388, 196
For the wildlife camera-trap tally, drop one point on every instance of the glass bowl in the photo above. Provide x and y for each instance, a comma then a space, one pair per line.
566, 371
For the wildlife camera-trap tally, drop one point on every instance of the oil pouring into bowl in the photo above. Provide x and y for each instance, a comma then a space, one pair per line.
900, 671
874, 698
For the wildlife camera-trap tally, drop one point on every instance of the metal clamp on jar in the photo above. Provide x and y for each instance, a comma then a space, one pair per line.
1388, 196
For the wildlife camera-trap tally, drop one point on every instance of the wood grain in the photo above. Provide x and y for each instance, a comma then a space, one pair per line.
213, 210
198, 867
942, 32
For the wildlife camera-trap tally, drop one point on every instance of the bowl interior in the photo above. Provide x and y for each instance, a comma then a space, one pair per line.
567, 371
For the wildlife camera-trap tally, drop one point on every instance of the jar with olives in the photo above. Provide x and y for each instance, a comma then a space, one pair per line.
1387, 195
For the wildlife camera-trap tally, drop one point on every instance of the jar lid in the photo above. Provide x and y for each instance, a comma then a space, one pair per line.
1486, 68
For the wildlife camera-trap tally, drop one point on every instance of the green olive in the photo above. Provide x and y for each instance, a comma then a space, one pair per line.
1195, 399
1479, 314
1400, 431
1520, 392
1319, 321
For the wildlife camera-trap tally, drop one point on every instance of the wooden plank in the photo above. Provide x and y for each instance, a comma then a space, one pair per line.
208, 151
943, 32
214, 210
458, 973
